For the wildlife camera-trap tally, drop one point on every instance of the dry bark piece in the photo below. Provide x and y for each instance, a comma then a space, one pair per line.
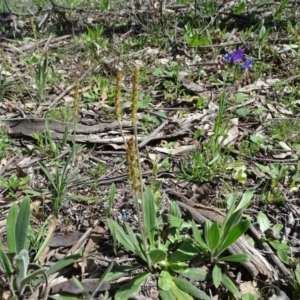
67, 240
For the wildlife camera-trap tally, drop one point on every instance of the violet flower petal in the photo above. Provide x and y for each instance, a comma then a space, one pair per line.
248, 62
227, 57
238, 55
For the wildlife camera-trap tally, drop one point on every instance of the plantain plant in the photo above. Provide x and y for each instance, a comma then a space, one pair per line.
163, 249
161, 243
18, 273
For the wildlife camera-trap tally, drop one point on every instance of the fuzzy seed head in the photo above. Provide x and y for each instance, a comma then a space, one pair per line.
133, 171
135, 90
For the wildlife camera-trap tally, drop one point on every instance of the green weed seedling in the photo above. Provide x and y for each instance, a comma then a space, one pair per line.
281, 247
170, 75
41, 77
97, 169
277, 173
286, 130
45, 143
15, 264
16, 268
98, 90
94, 41
63, 113
216, 238
62, 179
13, 183
263, 36
199, 169
5, 142
207, 161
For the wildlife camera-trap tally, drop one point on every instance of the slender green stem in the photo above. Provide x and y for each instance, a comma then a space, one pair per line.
141, 220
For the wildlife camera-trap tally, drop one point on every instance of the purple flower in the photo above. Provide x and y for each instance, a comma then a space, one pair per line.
248, 62
227, 57
233, 57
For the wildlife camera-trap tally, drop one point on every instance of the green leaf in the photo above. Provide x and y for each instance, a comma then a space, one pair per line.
11, 228
207, 226
249, 296
166, 295
5, 262
282, 254
197, 236
101, 280
78, 283
48, 175
111, 197
165, 280
217, 276
246, 199
178, 223
21, 262
180, 294
65, 137
263, 221
297, 272
149, 215
157, 255
63, 263
22, 224
190, 289
235, 233
230, 222
175, 210
120, 271
230, 286
264, 169
31, 276
278, 245
131, 287
185, 252
178, 267
195, 274
120, 235
257, 139
48, 238
240, 7
25, 180
240, 97
278, 227
138, 247
243, 111
239, 258
214, 236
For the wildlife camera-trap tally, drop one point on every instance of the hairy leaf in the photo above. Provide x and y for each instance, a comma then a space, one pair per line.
11, 228
216, 276
149, 215
229, 284
22, 224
